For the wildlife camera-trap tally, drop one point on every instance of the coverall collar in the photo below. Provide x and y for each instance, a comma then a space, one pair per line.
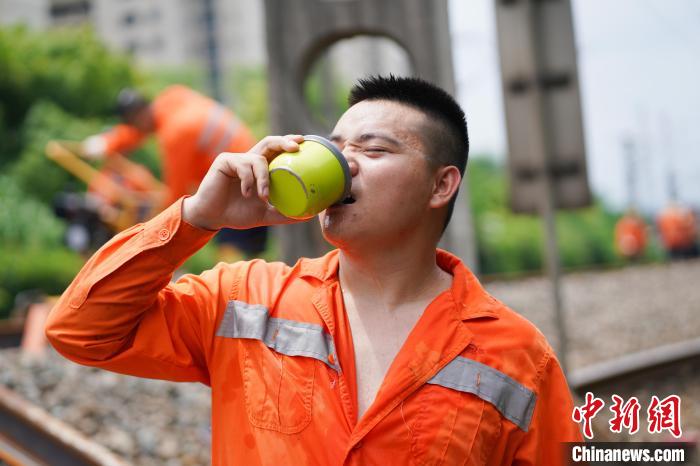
466, 290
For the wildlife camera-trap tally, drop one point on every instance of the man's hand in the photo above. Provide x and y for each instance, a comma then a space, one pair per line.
94, 147
235, 191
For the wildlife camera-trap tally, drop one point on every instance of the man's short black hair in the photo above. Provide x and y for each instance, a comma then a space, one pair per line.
129, 102
450, 144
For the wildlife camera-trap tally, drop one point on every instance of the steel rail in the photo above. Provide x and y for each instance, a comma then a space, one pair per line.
640, 367
29, 436
11, 332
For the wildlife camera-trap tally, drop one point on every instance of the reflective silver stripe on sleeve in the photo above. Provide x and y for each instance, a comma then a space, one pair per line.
289, 337
213, 120
514, 401
225, 140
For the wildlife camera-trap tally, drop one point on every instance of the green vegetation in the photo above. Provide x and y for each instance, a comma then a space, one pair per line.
31, 251
511, 244
248, 94
68, 67
325, 93
36, 174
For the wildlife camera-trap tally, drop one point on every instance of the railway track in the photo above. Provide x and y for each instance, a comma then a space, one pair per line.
29, 436
661, 371
11, 332
640, 368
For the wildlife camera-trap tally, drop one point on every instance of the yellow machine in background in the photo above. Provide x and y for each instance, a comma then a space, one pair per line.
126, 192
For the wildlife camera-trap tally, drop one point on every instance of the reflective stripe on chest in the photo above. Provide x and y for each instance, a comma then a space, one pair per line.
514, 401
288, 337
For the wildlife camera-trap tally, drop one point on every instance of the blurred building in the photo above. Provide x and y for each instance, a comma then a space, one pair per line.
217, 35
156, 32
34, 13
174, 32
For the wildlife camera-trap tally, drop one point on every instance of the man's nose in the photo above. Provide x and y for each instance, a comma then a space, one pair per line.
352, 163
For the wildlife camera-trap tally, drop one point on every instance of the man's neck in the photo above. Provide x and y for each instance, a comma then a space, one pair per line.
395, 277
385, 293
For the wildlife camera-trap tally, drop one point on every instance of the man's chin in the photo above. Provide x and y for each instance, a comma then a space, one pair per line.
337, 234
333, 237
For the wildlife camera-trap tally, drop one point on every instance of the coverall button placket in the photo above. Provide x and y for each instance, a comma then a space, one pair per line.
320, 300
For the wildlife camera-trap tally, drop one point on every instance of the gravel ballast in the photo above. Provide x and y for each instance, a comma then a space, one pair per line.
614, 312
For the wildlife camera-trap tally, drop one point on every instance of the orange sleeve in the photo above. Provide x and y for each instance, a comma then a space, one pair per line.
551, 423
123, 138
123, 314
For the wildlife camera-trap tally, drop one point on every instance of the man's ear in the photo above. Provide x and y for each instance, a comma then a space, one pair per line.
446, 183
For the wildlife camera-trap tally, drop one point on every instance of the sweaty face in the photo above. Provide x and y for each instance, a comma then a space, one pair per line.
391, 179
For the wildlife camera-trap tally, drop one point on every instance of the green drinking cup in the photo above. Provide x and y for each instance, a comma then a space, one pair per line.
306, 182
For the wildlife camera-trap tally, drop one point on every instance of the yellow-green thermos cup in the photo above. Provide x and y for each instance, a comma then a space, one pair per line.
306, 182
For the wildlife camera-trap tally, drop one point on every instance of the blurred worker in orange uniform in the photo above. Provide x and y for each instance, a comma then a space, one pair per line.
678, 231
630, 235
191, 129
384, 351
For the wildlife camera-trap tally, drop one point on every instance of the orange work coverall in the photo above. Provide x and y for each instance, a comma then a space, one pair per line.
474, 383
677, 228
630, 236
191, 130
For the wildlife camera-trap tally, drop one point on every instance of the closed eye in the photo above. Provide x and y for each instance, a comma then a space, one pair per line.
369, 150
379, 150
